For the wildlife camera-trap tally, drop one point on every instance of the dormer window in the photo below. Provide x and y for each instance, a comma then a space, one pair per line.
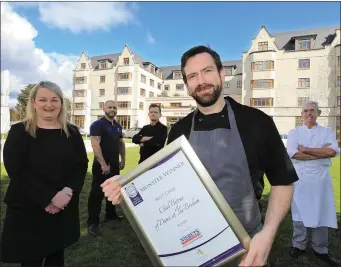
83, 66
103, 65
228, 71
304, 44
152, 69
126, 61
177, 75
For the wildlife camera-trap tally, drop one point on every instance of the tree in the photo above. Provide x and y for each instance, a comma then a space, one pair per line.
22, 101
13, 114
68, 106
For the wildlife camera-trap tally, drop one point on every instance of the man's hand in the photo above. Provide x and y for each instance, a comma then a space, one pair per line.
301, 149
105, 169
141, 144
112, 189
259, 250
122, 164
52, 209
327, 145
61, 199
146, 138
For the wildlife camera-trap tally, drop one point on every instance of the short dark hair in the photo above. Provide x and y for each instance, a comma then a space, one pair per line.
155, 106
198, 50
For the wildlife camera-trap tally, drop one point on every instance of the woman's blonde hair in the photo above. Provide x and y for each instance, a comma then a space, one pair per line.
31, 114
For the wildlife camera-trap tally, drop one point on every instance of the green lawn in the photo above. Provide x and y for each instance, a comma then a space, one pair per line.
119, 246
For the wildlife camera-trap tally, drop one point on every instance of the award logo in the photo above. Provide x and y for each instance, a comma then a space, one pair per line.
189, 238
133, 194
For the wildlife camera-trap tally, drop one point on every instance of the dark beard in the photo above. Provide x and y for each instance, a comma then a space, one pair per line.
208, 99
108, 115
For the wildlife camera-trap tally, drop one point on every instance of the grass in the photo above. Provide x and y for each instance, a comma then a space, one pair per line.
119, 246
126, 140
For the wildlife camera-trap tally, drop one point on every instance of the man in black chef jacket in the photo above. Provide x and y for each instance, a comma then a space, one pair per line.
152, 137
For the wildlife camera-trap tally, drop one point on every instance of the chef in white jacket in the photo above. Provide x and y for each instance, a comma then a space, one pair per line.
311, 148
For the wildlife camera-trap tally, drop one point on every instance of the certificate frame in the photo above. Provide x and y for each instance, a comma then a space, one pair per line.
182, 144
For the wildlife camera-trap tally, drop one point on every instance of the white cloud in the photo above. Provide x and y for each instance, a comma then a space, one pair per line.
87, 16
26, 62
150, 38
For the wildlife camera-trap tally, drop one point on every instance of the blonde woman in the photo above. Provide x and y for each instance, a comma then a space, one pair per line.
46, 162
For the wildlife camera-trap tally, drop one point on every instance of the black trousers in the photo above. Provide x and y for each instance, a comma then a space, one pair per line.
56, 259
96, 194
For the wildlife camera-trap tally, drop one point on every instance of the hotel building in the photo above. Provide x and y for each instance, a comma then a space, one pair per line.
276, 74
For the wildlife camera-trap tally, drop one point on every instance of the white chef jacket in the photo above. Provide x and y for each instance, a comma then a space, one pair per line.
313, 199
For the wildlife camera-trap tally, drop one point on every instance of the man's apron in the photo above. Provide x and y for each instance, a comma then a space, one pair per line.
222, 153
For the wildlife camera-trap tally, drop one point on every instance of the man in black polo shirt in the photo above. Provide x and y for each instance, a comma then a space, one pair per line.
107, 144
152, 137
237, 144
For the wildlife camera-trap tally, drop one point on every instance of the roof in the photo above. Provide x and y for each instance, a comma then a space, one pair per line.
114, 58
324, 36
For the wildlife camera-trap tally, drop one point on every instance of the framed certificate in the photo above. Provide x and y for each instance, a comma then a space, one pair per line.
179, 214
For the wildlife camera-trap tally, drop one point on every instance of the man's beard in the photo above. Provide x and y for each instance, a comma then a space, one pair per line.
108, 114
208, 99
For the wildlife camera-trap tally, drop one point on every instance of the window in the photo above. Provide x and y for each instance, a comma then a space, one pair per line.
338, 101
79, 93
142, 92
262, 65
102, 79
262, 46
79, 120
151, 83
126, 61
141, 106
159, 86
304, 44
83, 66
298, 121
151, 94
262, 84
239, 84
338, 61
175, 105
123, 90
101, 104
177, 75
226, 85
143, 79
124, 121
303, 82
101, 92
103, 65
166, 87
304, 63
123, 104
180, 87
261, 102
152, 69
79, 106
301, 100
80, 80
339, 80
228, 71
124, 76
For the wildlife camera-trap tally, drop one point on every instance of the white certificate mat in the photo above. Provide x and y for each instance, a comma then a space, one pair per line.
179, 216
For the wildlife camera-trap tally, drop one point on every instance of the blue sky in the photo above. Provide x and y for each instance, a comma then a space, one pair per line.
44, 40
226, 26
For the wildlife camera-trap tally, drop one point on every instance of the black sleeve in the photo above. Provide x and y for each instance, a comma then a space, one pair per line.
77, 178
137, 137
159, 139
278, 166
15, 157
95, 129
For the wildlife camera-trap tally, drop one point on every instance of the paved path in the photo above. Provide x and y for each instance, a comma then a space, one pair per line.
86, 142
